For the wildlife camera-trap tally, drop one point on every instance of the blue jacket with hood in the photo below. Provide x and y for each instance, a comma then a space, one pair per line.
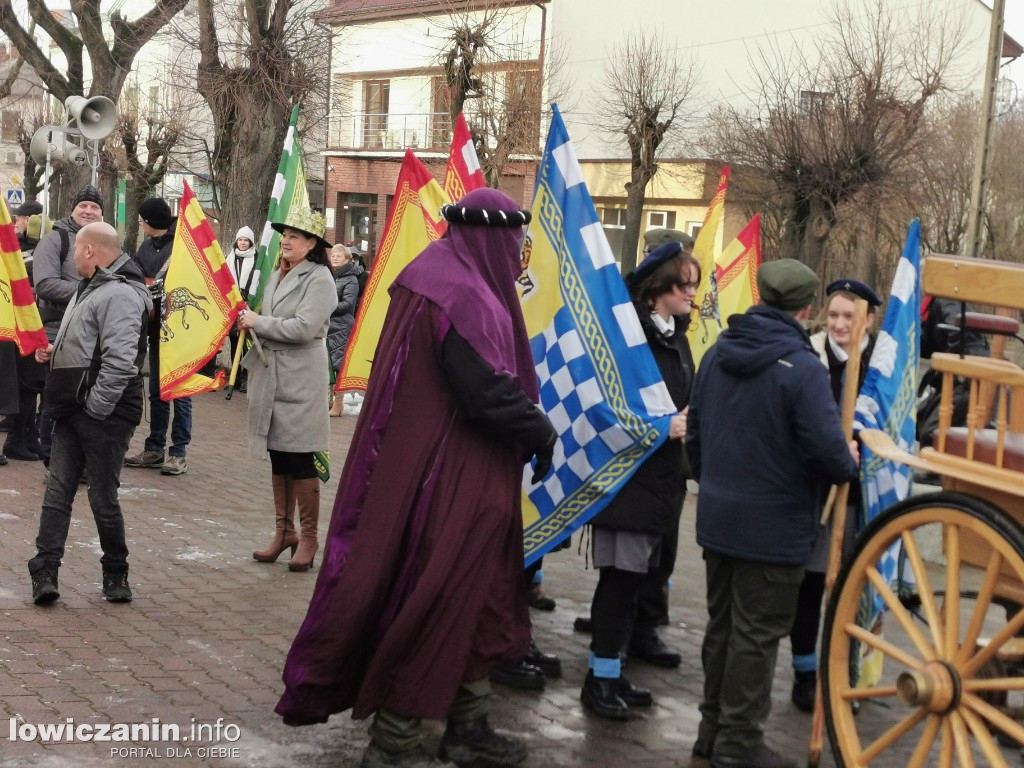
763, 438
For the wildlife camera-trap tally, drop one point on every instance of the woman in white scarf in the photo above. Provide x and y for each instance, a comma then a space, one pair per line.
242, 261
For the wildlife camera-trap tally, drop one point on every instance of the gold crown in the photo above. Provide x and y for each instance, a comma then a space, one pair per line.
305, 219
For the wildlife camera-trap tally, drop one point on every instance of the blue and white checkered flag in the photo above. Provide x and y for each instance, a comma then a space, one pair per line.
599, 383
888, 402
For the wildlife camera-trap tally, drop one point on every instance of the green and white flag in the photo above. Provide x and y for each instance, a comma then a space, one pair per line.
289, 192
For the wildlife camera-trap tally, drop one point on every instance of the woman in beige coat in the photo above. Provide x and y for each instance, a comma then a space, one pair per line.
288, 395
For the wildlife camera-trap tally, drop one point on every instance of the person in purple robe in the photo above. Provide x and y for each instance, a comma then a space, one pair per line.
421, 593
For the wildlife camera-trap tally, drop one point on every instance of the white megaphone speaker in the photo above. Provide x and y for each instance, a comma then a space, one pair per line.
61, 150
95, 117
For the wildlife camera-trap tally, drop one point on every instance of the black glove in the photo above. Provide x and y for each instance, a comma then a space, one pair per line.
543, 457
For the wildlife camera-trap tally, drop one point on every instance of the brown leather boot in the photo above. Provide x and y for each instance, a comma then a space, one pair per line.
338, 404
284, 533
307, 493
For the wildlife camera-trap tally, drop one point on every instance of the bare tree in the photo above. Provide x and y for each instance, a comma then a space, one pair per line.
498, 79
250, 82
840, 119
648, 85
140, 149
110, 63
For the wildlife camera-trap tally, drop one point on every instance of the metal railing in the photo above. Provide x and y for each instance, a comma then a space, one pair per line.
390, 131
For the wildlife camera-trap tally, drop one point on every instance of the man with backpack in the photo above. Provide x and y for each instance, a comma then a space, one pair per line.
56, 277
153, 258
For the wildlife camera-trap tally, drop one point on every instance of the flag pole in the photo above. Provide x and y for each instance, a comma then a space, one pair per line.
230, 388
842, 493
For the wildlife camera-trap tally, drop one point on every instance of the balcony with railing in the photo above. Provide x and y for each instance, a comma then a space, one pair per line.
390, 132
426, 131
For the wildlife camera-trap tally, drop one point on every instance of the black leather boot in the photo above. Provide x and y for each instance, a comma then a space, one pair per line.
519, 675
475, 743
547, 663
601, 696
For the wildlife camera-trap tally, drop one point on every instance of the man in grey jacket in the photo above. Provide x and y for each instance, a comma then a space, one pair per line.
56, 278
94, 393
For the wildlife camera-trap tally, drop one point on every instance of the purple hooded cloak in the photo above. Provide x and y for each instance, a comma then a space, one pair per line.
421, 586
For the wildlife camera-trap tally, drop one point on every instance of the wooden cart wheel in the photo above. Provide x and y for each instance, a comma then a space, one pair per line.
933, 692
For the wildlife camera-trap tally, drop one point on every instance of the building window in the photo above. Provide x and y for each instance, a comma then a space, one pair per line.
357, 221
813, 101
613, 221
376, 99
693, 228
154, 102
661, 219
9, 122
13, 158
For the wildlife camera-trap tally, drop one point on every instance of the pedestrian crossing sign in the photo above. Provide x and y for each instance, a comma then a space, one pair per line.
14, 196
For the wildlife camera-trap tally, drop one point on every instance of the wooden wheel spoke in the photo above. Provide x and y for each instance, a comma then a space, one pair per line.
951, 603
877, 692
924, 588
984, 738
876, 642
891, 736
946, 746
961, 741
924, 744
994, 716
999, 684
980, 608
980, 659
902, 616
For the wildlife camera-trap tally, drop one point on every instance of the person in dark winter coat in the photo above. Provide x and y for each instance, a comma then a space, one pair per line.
763, 436
153, 258
346, 280
95, 395
55, 277
628, 534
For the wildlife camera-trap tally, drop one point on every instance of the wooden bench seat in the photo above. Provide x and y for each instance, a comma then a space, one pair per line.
985, 441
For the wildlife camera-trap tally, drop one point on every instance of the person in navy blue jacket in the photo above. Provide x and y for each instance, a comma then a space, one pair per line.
763, 435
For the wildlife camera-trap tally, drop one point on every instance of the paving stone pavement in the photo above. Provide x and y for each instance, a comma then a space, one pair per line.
204, 641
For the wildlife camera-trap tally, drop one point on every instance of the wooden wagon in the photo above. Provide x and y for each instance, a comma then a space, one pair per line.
951, 649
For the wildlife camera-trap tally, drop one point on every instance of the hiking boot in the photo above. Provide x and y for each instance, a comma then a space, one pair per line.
115, 587
474, 744
417, 757
804, 684
175, 465
44, 586
145, 458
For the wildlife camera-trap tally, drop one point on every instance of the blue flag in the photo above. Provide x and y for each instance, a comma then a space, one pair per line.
599, 383
888, 402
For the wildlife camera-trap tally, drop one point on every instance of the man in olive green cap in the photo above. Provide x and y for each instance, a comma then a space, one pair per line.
655, 237
764, 439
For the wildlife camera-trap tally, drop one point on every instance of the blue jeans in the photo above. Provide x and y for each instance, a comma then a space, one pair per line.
160, 412
80, 442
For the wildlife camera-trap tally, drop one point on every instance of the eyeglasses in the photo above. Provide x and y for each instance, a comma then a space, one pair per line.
694, 286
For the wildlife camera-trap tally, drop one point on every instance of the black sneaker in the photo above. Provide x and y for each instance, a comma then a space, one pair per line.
115, 587
44, 586
476, 744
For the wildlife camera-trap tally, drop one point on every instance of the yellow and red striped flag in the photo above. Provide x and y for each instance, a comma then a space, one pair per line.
707, 324
736, 270
201, 303
414, 221
19, 316
464, 173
